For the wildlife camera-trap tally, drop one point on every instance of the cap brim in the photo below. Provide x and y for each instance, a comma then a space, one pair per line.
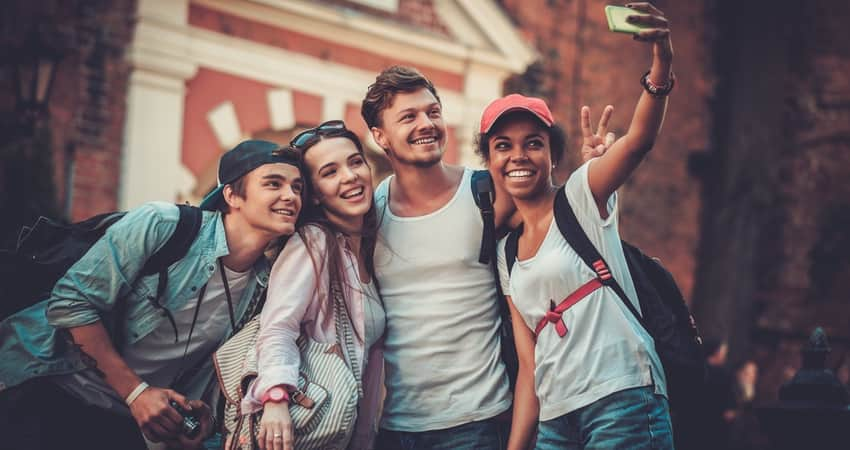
212, 201
516, 108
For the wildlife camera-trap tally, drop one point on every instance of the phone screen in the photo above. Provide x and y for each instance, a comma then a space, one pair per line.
617, 19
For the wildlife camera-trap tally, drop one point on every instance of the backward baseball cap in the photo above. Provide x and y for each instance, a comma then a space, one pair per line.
243, 158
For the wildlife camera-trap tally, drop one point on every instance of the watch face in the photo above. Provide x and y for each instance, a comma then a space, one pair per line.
276, 394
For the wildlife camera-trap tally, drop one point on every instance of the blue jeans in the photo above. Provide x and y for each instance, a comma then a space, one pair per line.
631, 419
490, 434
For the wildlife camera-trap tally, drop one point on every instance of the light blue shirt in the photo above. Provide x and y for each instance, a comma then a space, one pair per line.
35, 342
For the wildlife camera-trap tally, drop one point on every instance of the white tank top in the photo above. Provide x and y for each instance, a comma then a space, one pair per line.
443, 367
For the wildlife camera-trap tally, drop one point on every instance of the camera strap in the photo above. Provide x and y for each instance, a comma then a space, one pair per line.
182, 372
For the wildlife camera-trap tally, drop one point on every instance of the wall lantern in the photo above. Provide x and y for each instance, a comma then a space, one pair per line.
32, 63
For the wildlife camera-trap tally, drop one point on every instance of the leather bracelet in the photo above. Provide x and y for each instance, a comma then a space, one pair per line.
135, 393
656, 90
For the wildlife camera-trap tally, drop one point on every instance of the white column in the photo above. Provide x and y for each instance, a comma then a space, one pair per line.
151, 167
482, 85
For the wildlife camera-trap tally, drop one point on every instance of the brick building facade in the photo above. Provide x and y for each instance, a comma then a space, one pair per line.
744, 197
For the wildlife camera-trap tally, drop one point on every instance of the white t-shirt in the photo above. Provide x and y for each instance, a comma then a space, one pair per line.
443, 367
156, 358
605, 350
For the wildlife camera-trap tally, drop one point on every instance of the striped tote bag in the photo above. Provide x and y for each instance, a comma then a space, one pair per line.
324, 405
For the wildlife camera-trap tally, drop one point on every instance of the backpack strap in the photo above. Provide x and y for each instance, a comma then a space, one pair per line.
511, 246
484, 194
174, 249
572, 232
178, 244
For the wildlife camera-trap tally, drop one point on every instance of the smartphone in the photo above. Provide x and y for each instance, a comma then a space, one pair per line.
617, 19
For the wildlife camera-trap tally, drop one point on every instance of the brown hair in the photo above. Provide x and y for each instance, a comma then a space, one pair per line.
388, 83
315, 215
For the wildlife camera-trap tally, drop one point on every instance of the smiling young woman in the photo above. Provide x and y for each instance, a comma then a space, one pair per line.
589, 374
338, 236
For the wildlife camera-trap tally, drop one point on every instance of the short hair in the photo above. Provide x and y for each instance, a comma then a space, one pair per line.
388, 83
239, 186
557, 140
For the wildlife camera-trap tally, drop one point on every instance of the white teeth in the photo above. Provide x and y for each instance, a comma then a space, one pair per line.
428, 140
352, 193
519, 173
285, 212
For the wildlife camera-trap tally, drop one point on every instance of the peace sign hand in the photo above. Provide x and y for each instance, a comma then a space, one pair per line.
595, 144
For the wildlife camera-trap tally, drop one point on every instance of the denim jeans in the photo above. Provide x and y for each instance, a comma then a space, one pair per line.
490, 434
631, 419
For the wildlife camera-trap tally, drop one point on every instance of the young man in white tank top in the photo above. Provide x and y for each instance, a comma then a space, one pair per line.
445, 379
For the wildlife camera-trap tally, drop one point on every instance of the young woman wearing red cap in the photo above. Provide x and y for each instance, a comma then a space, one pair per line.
589, 374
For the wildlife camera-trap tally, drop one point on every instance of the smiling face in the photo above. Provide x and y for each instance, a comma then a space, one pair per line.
519, 155
411, 130
271, 201
341, 181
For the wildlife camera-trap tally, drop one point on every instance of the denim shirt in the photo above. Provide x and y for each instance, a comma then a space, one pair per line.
35, 341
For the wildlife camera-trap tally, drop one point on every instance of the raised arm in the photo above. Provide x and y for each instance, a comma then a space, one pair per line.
611, 170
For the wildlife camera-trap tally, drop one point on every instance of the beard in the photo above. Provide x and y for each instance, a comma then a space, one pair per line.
420, 160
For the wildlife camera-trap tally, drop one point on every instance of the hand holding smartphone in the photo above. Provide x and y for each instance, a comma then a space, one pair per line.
617, 19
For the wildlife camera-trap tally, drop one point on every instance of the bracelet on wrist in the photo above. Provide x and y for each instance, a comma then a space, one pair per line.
136, 392
276, 394
657, 90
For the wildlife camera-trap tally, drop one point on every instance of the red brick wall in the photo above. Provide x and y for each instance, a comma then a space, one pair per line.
582, 63
88, 97
745, 194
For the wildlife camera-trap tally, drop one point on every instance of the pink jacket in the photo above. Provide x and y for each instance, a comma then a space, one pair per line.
298, 300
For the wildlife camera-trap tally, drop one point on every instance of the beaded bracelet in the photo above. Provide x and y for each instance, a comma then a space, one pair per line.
657, 90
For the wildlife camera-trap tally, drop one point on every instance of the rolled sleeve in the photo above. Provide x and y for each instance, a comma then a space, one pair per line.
107, 271
577, 189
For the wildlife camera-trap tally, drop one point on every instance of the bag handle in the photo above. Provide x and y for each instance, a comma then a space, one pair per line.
343, 325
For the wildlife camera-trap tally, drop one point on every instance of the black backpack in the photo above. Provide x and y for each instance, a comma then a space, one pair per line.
47, 249
665, 315
484, 194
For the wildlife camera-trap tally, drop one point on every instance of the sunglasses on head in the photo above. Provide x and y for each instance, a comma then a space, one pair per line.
308, 137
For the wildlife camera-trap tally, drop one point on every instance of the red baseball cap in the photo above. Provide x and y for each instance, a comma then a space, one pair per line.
515, 102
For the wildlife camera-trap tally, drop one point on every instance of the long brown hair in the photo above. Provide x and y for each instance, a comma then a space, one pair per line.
312, 214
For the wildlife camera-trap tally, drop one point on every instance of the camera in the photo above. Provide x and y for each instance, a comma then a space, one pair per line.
191, 425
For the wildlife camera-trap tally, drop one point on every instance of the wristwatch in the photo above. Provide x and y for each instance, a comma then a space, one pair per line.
275, 394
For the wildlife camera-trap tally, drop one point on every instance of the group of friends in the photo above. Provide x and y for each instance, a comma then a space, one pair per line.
425, 311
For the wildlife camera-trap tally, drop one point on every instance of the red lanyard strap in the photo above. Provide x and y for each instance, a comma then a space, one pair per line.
555, 313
